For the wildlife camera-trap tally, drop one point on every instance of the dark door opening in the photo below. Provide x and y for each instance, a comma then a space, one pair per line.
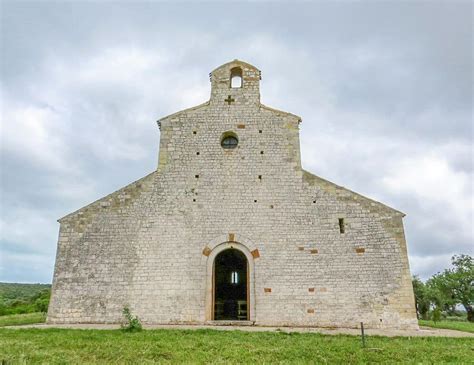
230, 286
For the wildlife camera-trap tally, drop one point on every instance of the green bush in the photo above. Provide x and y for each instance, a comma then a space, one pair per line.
132, 324
436, 315
41, 305
23, 298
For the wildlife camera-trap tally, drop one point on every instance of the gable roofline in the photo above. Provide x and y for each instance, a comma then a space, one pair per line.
95, 202
281, 112
236, 62
207, 103
323, 182
182, 111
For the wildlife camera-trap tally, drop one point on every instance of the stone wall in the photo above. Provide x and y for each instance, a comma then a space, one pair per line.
151, 244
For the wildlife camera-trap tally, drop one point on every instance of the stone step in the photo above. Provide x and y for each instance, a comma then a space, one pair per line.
230, 323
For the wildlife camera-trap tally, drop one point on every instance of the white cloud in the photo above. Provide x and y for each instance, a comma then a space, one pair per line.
383, 114
16, 229
34, 132
433, 182
117, 65
431, 177
423, 265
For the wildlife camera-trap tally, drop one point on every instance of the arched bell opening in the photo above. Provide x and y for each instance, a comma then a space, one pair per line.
236, 80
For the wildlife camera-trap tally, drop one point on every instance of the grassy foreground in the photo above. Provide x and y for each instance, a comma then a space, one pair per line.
65, 346
18, 319
450, 325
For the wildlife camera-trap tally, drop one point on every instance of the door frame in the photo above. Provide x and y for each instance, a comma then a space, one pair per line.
210, 279
247, 290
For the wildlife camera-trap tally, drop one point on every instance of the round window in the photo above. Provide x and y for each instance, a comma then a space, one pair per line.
229, 141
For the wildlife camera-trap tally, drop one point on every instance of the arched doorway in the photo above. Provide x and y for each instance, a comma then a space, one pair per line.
231, 292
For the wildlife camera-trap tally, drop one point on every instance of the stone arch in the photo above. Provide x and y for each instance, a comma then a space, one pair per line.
232, 237
236, 78
214, 250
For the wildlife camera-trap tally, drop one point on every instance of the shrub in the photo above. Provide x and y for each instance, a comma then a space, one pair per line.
436, 315
41, 305
132, 323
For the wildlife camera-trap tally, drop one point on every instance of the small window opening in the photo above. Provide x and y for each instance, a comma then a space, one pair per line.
229, 140
234, 277
236, 78
341, 225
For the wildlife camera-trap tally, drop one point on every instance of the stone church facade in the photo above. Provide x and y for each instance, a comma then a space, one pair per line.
230, 227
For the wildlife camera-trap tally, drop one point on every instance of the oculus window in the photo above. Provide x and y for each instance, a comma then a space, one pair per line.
229, 140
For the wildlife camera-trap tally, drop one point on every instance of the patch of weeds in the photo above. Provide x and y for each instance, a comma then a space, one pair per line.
132, 323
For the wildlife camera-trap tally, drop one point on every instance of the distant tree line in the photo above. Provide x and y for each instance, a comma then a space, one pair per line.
445, 291
24, 298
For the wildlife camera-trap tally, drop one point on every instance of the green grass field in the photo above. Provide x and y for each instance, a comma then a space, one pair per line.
450, 325
18, 319
63, 346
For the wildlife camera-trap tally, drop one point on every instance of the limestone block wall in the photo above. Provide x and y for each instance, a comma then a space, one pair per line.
151, 244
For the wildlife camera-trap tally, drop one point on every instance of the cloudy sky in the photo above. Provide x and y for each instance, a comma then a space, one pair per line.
384, 90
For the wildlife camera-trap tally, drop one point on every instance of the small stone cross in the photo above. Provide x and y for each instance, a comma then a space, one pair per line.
229, 100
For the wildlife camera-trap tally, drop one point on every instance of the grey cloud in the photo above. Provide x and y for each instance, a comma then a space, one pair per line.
377, 85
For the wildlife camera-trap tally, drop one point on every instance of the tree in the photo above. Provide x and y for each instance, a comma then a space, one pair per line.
462, 282
41, 304
455, 286
436, 315
41, 300
422, 298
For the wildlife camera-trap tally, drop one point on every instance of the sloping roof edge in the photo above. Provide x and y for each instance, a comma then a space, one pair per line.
236, 61
183, 111
281, 112
60, 220
309, 176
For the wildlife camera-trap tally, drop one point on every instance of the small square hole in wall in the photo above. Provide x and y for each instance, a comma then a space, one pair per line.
271, 207
311, 290
194, 200
260, 177
267, 290
197, 153
342, 228
259, 131
311, 311
194, 132
196, 176
261, 152
314, 201
255, 201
